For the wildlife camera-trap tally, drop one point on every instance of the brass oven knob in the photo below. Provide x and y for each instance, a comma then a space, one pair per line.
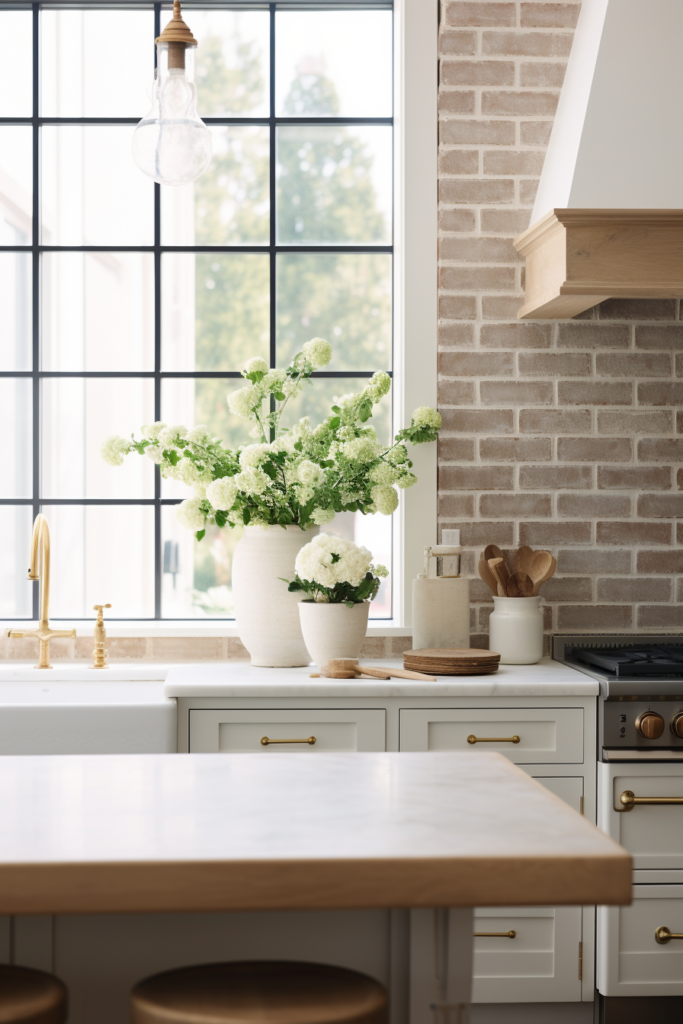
677, 724
650, 725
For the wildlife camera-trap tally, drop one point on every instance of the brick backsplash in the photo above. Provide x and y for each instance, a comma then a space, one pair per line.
561, 434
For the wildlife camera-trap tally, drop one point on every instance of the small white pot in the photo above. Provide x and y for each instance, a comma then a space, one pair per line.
516, 630
333, 630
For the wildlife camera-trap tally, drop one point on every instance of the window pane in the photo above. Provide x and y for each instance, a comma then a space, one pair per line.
344, 298
332, 63
318, 397
197, 575
101, 553
77, 415
215, 310
16, 595
16, 185
232, 61
97, 311
374, 533
93, 193
15, 425
15, 311
334, 184
16, 67
229, 204
96, 63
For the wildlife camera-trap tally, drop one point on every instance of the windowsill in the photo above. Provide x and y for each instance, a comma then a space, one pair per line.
386, 627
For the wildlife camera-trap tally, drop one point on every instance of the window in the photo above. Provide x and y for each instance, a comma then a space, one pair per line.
125, 302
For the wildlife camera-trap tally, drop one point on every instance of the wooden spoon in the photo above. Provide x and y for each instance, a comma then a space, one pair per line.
522, 559
549, 573
487, 576
541, 568
492, 551
499, 570
519, 585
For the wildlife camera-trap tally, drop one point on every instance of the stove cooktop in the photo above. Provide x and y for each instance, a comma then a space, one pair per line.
638, 661
626, 665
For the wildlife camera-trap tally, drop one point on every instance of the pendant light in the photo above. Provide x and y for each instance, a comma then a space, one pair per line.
172, 144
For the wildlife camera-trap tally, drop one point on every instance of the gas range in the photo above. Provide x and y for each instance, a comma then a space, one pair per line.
641, 692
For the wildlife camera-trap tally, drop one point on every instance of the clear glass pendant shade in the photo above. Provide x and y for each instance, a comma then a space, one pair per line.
172, 144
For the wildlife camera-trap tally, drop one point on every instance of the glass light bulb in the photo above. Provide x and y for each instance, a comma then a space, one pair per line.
172, 144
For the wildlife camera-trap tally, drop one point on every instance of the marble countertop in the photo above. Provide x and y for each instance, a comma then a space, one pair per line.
239, 679
242, 832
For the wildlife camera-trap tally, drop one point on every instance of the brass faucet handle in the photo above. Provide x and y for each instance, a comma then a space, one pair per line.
99, 608
99, 654
15, 634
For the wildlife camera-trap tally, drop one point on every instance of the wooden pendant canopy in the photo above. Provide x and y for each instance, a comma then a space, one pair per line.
177, 31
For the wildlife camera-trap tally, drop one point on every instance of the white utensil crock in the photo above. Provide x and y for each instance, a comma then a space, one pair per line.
516, 630
333, 630
266, 613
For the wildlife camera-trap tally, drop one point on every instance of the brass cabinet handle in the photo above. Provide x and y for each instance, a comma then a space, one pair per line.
266, 741
628, 800
663, 935
512, 934
493, 739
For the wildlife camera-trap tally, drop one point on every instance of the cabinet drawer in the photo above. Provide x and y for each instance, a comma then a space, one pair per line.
652, 833
540, 964
630, 960
242, 732
545, 735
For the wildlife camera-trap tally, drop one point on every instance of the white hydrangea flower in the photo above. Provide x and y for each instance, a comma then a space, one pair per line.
385, 499
252, 480
254, 454
406, 480
243, 401
310, 473
152, 430
344, 401
255, 365
113, 449
170, 437
305, 495
199, 490
199, 435
361, 449
426, 417
274, 380
330, 559
155, 453
190, 514
187, 472
381, 571
397, 455
384, 474
222, 493
318, 352
322, 516
380, 385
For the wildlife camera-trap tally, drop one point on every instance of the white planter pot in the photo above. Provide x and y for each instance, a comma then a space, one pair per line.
266, 613
516, 630
333, 630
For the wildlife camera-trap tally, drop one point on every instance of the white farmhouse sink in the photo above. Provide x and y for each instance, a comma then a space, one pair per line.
77, 710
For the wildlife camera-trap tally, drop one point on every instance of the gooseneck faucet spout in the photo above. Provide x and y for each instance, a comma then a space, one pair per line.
39, 569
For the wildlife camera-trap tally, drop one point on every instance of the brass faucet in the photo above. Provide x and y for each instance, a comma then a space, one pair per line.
40, 549
99, 654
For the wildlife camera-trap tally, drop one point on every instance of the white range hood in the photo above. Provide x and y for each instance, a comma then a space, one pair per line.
608, 217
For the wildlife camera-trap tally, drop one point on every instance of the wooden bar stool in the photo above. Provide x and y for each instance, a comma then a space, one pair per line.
31, 997
260, 993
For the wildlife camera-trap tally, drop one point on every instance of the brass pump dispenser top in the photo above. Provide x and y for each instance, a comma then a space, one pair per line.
99, 654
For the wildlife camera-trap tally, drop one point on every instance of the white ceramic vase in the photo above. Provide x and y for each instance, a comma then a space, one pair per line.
333, 630
516, 630
266, 613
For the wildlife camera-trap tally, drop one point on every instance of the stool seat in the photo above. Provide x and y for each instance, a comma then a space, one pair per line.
30, 997
272, 992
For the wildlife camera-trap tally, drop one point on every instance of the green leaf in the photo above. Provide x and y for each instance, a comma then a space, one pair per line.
200, 534
246, 516
334, 422
335, 408
350, 604
221, 518
278, 396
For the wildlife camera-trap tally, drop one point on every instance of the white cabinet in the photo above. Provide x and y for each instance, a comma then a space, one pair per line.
281, 730
525, 735
652, 833
630, 960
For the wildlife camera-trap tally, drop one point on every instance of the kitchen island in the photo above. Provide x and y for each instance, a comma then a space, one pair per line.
439, 833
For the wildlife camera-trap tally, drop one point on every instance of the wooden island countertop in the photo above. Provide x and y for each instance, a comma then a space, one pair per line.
83, 834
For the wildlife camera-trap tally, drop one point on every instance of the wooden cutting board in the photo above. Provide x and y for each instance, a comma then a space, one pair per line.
452, 661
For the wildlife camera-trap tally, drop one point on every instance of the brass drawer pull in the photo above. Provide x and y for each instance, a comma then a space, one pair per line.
629, 801
266, 741
512, 934
493, 739
663, 935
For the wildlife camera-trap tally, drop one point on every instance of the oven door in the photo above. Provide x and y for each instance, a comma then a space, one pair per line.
640, 947
641, 806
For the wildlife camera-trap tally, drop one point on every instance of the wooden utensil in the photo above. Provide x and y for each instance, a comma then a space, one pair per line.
487, 576
519, 585
522, 559
492, 551
351, 666
500, 571
541, 568
552, 566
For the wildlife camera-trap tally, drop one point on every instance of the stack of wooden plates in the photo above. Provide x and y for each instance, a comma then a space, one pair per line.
455, 661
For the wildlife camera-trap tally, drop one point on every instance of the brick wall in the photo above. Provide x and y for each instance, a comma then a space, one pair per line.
558, 434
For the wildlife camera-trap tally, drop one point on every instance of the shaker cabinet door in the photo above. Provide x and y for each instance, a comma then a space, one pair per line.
285, 731
631, 962
651, 832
